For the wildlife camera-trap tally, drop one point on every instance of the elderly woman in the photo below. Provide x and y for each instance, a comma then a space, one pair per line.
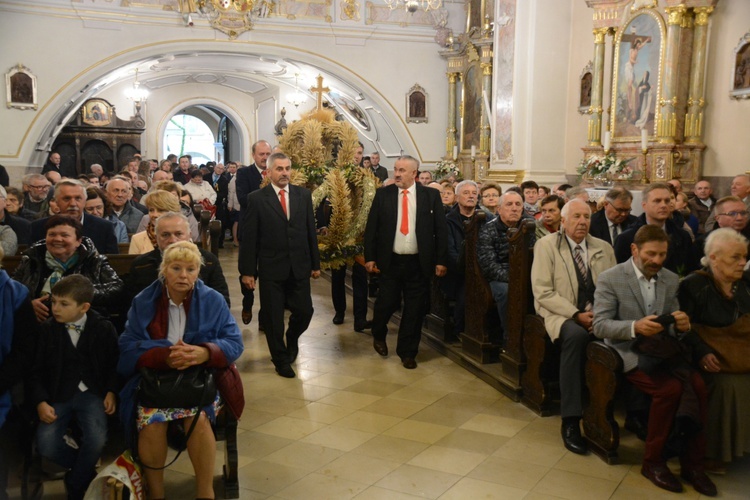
158, 204
489, 198
174, 324
717, 299
98, 204
185, 208
66, 251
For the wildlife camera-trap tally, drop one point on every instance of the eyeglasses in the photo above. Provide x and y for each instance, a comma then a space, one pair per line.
734, 215
45, 186
623, 211
491, 195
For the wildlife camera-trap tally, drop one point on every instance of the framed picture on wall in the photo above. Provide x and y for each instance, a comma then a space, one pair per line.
416, 105
587, 80
636, 87
20, 85
472, 106
741, 69
97, 113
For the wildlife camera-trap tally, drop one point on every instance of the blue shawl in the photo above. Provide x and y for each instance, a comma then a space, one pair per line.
209, 321
12, 295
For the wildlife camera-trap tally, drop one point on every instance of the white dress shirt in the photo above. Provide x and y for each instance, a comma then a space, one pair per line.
75, 336
406, 244
177, 321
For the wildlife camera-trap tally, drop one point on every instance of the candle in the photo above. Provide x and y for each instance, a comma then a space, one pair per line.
455, 152
473, 151
644, 139
606, 140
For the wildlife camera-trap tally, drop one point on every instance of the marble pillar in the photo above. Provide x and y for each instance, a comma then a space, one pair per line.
484, 138
450, 139
597, 88
667, 124
696, 102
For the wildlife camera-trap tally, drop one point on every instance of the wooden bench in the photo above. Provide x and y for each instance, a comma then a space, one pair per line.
603, 378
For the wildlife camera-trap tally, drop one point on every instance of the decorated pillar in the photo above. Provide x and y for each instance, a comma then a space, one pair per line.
450, 140
597, 88
667, 124
484, 138
694, 117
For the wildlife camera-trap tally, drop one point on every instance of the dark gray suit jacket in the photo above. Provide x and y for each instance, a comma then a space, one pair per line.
274, 247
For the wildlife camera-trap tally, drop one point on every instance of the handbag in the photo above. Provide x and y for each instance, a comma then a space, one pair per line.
188, 388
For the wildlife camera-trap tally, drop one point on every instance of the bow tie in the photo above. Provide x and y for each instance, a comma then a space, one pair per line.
73, 326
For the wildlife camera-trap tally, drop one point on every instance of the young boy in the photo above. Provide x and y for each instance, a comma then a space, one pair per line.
74, 376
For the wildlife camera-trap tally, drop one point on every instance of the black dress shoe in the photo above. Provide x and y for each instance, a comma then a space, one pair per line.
662, 477
293, 350
409, 363
285, 371
338, 319
637, 426
700, 481
361, 327
247, 316
380, 347
571, 434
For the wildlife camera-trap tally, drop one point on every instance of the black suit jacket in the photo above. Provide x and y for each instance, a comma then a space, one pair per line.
381, 173
431, 229
248, 180
276, 248
20, 226
101, 232
600, 226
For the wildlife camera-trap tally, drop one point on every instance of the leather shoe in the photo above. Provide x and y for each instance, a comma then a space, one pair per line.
662, 477
285, 371
637, 426
380, 347
409, 363
361, 327
571, 434
700, 481
338, 319
293, 350
247, 316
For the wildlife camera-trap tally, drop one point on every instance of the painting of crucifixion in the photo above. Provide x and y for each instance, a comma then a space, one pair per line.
636, 91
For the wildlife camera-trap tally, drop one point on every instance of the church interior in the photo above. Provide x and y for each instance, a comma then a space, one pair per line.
499, 90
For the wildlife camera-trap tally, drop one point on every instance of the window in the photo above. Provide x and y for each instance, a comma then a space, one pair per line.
188, 135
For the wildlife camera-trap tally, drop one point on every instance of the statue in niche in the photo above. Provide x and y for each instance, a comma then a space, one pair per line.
281, 125
416, 105
585, 101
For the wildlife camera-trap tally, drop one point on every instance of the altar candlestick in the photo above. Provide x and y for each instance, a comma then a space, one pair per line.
473, 151
455, 152
644, 139
606, 140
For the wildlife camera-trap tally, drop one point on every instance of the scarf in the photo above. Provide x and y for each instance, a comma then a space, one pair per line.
151, 233
59, 268
159, 326
12, 295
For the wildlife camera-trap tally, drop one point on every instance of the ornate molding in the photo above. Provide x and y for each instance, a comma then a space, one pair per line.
600, 35
676, 14
702, 14
350, 10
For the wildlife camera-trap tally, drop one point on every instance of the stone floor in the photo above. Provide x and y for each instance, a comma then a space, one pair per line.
355, 425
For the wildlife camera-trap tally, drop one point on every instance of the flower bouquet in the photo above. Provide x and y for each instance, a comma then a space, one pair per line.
606, 168
447, 168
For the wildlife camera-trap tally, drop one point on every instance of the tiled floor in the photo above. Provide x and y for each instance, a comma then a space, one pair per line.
355, 425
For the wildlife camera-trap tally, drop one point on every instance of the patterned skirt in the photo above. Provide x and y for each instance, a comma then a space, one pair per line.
147, 416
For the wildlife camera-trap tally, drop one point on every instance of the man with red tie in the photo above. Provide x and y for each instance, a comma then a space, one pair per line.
280, 247
406, 239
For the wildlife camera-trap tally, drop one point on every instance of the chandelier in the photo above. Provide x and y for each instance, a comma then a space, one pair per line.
412, 6
136, 94
296, 98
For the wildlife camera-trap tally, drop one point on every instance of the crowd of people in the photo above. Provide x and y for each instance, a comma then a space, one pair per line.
676, 273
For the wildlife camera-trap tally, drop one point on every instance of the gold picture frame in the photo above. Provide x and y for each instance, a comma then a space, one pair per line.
416, 104
639, 53
587, 81
20, 88
741, 69
97, 113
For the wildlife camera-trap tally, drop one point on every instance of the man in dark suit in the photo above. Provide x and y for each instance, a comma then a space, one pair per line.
70, 196
249, 180
280, 246
219, 180
170, 228
681, 258
609, 223
631, 300
406, 238
378, 170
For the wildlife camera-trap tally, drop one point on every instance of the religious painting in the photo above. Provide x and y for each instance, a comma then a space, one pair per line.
416, 105
350, 109
472, 107
587, 80
741, 69
474, 15
501, 112
97, 113
636, 88
20, 85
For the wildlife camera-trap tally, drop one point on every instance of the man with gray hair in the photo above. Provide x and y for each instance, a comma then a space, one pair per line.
70, 196
607, 224
702, 204
96, 169
170, 228
741, 189
577, 192
493, 250
563, 279
38, 191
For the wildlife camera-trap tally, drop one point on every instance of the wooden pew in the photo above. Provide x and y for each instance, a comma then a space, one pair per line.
603, 377
481, 314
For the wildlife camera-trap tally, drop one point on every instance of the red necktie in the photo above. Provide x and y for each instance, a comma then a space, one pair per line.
405, 213
283, 202
264, 173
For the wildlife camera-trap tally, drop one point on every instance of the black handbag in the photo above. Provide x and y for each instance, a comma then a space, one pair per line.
188, 388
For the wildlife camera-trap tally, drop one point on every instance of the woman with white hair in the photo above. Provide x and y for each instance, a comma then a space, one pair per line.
717, 299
